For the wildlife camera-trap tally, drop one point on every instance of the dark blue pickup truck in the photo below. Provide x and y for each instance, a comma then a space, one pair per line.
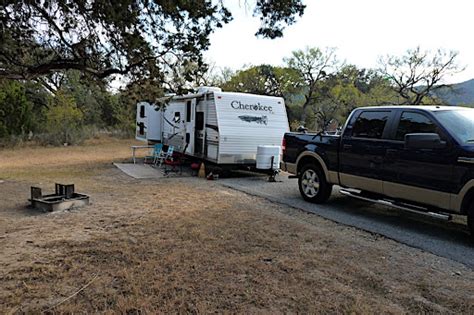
417, 158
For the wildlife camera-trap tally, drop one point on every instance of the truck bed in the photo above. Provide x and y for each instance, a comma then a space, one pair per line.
326, 146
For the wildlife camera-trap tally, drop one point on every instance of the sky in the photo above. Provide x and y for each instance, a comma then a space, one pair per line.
361, 30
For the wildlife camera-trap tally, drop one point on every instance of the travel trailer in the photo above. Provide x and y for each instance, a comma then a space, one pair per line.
224, 128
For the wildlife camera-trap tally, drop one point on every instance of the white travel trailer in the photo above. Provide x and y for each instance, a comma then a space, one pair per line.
224, 128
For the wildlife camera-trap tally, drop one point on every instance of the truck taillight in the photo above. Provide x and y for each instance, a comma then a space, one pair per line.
283, 146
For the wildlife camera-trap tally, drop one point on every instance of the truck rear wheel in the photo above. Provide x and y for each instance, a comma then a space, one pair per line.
313, 184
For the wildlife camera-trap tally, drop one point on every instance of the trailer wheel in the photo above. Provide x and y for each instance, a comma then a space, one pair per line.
313, 184
470, 219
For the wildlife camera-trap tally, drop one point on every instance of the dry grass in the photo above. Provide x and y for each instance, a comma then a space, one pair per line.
33, 163
180, 246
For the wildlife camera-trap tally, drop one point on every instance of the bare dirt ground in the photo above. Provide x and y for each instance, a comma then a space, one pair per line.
189, 245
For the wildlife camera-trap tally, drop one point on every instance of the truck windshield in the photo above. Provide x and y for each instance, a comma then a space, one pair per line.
459, 122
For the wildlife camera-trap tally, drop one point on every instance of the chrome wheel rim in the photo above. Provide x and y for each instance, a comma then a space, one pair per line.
310, 183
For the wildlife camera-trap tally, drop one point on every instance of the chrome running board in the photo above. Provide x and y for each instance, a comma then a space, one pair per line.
409, 208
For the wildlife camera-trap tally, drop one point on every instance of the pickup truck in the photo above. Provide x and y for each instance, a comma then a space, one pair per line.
416, 158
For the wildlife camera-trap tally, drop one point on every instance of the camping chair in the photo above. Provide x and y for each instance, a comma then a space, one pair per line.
168, 155
154, 153
175, 163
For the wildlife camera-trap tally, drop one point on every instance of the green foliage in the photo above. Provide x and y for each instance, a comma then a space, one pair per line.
88, 97
64, 108
64, 120
266, 80
16, 111
269, 80
124, 112
349, 88
100, 107
275, 14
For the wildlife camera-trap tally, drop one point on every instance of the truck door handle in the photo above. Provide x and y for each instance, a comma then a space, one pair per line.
347, 146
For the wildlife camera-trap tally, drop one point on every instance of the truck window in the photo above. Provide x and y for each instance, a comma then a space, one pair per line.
411, 122
370, 125
459, 123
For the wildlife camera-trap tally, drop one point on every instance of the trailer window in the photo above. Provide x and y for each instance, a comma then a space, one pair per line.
142, 111
199, 120
177, 117
188, 111
141, 129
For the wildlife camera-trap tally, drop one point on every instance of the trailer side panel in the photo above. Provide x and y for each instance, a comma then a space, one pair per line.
247, 121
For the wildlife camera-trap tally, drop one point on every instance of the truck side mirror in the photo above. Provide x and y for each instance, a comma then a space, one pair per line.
423, 141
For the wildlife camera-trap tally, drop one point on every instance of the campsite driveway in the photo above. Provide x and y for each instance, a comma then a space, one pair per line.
449, 240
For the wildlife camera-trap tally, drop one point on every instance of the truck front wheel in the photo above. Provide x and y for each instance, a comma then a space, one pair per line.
313, 184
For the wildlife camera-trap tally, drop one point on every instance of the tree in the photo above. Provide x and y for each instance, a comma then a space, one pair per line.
274, 15
214, 76
313, 65
268, 80
265, 80
134, 38
16, 111
184, 76
87, 95
63, 120
418, 73
341, 92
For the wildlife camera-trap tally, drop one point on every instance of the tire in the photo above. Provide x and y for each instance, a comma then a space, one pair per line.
313, 184
470, 219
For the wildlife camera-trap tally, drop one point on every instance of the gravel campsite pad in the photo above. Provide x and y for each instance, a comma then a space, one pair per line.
190, 245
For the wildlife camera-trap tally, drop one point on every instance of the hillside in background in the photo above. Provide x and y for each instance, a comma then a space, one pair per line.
457, 94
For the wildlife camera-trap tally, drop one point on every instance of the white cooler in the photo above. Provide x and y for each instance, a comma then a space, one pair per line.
264, 157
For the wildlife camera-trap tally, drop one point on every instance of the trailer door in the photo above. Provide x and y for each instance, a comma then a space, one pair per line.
199, 133
141, 119
190, 124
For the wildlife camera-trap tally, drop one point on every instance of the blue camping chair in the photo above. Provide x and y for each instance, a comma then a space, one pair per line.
155, 153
